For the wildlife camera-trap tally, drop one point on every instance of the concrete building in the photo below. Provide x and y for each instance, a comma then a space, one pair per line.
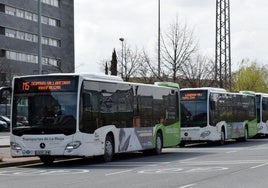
19, 37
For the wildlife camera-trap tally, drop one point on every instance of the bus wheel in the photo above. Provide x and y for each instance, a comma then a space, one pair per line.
108, 149
182, 144
245, 134
47, 160
158, 144
222, 141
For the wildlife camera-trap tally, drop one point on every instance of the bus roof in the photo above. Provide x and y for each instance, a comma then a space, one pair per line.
84, 75
262, 94
168, 84
248, 92
106, 78
101, 77
206, 88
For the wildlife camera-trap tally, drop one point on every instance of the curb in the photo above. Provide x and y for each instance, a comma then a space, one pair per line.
16, 163
19, 163
4, 146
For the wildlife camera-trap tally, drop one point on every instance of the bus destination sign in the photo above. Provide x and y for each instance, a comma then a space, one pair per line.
45, 84
193, 95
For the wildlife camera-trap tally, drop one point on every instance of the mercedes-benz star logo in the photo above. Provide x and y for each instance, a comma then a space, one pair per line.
42, 145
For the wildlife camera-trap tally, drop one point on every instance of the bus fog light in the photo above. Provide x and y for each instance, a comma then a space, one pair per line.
205, 134
15, 146
73, 145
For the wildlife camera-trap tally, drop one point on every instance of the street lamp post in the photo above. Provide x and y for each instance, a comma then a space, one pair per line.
122, 40
158, 40
39, 37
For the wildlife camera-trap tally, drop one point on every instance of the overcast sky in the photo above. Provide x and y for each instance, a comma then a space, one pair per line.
100, 23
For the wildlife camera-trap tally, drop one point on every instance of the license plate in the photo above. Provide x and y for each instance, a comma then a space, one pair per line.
186, 138
42, 152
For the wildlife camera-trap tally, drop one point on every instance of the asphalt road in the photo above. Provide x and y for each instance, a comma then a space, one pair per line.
4, 133
236, 164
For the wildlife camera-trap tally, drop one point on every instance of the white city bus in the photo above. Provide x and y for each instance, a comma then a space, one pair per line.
262, 113
80, 115
213, 114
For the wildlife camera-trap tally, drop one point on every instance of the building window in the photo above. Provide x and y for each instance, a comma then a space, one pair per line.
10, 10
53, 62
2, 30
2, 53
35, 38
44, 40
53, 42
31, 37
31, 16
20, 35
35, 17
28, 15
11, 55
20, 13
54, 3
10, 33
45, 60
45, 20
30, 58
52, 22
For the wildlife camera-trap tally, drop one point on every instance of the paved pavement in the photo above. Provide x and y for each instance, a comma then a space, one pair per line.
4, 141
7, 160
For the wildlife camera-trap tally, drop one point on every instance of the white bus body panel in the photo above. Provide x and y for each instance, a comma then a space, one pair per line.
91, 144
189, 134
263, 127
211, 133
30, 145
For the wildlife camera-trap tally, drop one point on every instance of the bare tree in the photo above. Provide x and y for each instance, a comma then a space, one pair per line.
147, 72
198, 72
177, 47
6, 73
129, 63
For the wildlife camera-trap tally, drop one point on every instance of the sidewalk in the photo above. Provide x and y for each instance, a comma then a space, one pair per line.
7, 160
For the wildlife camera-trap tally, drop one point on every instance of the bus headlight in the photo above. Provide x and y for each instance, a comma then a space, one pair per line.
73, 145
205, 134
15, 146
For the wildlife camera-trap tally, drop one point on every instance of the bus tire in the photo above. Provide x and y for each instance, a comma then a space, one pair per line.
47, 160
108, 149
158, 143
245, 138
182, 144
222, 141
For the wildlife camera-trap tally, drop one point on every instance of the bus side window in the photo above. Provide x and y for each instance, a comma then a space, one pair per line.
212, 105
264, 106
89, 120
87, 100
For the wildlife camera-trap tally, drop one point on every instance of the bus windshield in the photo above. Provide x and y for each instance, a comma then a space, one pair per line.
193, 108
44, 113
